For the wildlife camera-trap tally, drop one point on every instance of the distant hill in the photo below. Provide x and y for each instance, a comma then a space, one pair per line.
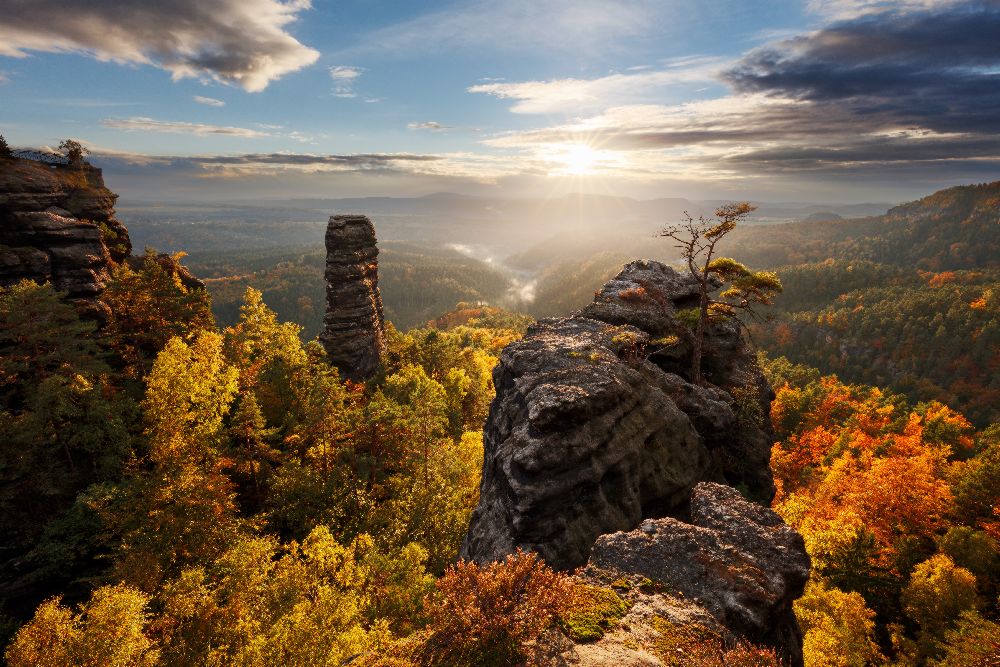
822, 216
957, 228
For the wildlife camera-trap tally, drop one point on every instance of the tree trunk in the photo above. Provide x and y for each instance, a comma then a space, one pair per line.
699, 335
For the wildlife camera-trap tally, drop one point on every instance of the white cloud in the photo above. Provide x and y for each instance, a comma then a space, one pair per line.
238, 42
430, 125
4, 78
846, 9
577, 95
141, 124
210, 101
513, 25
343, 80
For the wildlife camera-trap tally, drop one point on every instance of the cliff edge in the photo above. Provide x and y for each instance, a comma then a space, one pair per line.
58, 225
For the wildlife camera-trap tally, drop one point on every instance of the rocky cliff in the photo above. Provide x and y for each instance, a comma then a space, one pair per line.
57, 224
595, 426
596, 431
353, 328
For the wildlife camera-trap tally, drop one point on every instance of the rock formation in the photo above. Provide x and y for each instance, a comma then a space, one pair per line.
600, 452
735, 559
354, 330
595, 427
57, 224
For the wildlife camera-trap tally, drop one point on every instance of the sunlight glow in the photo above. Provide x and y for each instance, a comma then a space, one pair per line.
578, 159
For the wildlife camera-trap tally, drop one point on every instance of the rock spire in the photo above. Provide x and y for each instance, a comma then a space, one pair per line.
354, 328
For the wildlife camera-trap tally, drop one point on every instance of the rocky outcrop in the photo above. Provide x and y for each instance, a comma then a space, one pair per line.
735, 559
57, 224
354, 329
596, 427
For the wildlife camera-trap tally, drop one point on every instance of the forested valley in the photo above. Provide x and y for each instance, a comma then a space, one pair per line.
184, 487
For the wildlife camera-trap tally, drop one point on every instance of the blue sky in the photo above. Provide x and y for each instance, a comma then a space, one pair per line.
829, 100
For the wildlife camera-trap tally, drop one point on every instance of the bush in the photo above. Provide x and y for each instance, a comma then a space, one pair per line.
489, 615
694, 645
593, 612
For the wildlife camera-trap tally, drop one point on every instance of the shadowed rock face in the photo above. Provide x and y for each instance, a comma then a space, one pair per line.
354, 330
736, 559
51, 220
595, 426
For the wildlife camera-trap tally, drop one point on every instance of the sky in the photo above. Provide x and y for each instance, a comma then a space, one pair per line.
818, 100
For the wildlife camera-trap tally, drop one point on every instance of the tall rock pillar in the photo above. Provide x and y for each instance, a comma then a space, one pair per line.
354, 329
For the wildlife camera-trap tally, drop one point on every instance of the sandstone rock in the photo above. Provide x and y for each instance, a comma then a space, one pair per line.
57, 225
595, 426
354, 329
736, 559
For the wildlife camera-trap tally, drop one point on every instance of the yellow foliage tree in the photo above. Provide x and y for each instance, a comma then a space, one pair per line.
108, 631
838, 627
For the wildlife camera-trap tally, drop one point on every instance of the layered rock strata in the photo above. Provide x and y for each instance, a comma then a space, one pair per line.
58, 225
595, 425
354, 329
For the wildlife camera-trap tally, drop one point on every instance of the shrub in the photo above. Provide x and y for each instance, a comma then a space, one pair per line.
593, 612
697, 646
633, 294
489, 615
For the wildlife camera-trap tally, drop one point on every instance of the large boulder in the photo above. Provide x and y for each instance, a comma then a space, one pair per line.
735, 559
596, 425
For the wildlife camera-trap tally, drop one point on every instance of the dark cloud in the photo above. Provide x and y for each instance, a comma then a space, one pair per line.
241, 42
936, 69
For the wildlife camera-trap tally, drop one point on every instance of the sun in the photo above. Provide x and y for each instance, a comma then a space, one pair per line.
576, 159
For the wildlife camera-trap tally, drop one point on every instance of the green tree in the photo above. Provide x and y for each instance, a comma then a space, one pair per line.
149, 306
74, 151
267, 353
64, 425
4, 148
938, 592
189, 392
697, 240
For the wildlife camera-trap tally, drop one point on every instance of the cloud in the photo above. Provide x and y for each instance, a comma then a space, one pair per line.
141, 124
238, 42
513, 25
343, 78
4, 77
430, 125
577, 95
937, 69
469, 167
885, 94
210, 101
846, 9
